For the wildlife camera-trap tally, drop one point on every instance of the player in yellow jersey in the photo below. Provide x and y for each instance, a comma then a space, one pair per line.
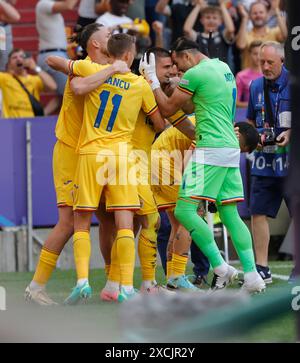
65, 160
169, 153
147, 216
110, 115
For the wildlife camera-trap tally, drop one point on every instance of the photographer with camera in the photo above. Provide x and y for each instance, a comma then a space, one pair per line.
269, 110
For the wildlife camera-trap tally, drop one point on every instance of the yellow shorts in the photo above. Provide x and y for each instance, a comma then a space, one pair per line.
148, 205
165, 196
97, 175
65, 162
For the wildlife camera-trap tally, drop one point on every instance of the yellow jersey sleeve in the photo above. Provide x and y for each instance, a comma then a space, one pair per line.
85, 68
149, 104
178, 117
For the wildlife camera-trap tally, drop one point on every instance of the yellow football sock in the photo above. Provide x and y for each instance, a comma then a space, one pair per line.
147, 248
45, 266
169, 269
114, 271
107, 268
82, 253
179, 265
126, 255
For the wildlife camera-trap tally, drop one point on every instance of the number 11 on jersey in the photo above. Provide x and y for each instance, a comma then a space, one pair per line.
116, 101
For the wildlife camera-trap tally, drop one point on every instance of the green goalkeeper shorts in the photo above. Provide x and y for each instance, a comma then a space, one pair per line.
213, 183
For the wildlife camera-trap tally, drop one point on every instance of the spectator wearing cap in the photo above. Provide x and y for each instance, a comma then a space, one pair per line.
53, 41
8, 15
259, 18
22, 73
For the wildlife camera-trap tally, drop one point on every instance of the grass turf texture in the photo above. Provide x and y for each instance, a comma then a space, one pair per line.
102, 319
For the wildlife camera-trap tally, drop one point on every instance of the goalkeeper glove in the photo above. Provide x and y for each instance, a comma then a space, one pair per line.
148, 70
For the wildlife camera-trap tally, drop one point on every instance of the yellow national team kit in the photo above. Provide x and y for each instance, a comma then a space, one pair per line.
142, 140
15, 101
65, 158
110, 115
166, 178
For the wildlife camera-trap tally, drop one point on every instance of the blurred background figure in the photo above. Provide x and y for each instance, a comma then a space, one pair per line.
218, 29
8, 15
259, 16
245, 77
53, 41
22, 80
86, 12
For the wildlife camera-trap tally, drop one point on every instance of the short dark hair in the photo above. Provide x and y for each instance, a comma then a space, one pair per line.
15, 50
250, 134
118, 44
211, 10
82, 34
159, 52
184, 43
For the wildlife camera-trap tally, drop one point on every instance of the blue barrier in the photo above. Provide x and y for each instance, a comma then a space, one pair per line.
13, 180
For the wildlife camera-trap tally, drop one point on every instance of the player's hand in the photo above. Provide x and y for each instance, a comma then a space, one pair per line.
284, 138
237, 132
148, 70
158, 27
121, 67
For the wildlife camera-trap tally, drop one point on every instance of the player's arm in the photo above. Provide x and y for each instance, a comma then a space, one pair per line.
169, 105
8, 13
158, 121
59, 64
182, 123
187, 128
83, 85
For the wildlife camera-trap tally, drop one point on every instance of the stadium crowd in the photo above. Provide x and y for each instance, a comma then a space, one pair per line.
248, 37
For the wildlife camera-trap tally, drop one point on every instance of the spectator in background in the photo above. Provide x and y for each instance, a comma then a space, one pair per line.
102, 6
8, 14
86, 12
212, 41
269, 111
245, 77
136, 9
116, 15
178, 11
16, 101
273, 18
52, 41
259, 18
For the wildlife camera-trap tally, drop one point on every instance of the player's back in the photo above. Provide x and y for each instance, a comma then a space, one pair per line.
213, 87
111, 111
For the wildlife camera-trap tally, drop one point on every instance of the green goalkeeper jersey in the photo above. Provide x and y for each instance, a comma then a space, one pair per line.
213, 87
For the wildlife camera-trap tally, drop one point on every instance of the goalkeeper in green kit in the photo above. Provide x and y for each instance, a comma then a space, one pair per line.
212, 173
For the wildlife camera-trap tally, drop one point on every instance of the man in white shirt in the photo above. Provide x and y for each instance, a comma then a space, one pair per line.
52, 40
86, 12
116, 16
